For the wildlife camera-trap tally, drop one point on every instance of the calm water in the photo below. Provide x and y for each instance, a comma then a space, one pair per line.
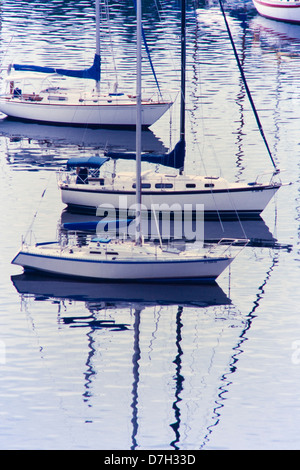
159, 367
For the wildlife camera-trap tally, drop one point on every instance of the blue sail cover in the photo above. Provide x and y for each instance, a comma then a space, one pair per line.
94, 72
87, 162
173, 159
96, 225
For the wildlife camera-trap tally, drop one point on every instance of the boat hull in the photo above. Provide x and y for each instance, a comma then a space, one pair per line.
106, 115
143, 270
280, 10
243, 202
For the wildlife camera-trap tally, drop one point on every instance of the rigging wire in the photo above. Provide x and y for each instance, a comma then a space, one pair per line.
148, 54
247, 88
206, 173
111, 45
29, 230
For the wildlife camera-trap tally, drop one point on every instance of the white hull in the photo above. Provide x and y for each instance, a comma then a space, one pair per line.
227, 200
114, 264
282, 10
97, 115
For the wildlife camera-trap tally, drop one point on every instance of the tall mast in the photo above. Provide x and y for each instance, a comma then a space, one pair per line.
98, 37
183, 67
138, 120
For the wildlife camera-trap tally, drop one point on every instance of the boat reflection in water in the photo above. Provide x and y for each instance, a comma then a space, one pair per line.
33, 146
132, 375
120, 293
171, 229
90, 139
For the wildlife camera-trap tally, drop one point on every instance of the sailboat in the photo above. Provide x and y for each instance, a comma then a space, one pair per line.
135, 261
182, 192
59, 105
281, 10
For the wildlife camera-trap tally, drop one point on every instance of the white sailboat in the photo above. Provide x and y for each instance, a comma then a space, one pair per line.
181, 191
123, 262
59, 105
281, 10
126, 261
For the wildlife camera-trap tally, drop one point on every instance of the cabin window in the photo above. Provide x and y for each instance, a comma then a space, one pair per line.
209, 185
164, 185
190, 185
144, 185
57, 98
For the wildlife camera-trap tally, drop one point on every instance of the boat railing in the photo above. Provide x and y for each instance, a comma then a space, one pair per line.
71, 177
261, 175
28, 239
65, 176
156, 97
229, 243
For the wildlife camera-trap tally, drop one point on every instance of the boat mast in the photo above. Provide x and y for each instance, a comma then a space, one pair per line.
181, 146
183, 67
138, 120
98, 37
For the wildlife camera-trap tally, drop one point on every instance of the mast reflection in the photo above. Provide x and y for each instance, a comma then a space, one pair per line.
227, 378
100, 297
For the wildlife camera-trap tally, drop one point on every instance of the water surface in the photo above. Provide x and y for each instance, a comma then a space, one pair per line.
155, 368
